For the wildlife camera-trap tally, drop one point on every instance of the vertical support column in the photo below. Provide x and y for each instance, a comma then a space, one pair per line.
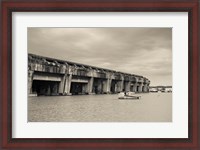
127, 86
30, 81
62, 84
90, 85
140, 87
122, 83
135, 87
100, 86
115, 87
121, 86
61, 87
107, 85
68, 84
145, 88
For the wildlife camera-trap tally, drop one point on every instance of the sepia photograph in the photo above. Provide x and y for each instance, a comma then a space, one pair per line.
106, 74
100, 74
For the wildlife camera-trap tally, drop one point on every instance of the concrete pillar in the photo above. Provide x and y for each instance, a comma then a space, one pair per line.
104, 86
68, 84
109, 82
30, 81
107, 85
90, 85
100, 87
135, 87
120, 86
145, 88
127, 86
117, 86
140, 87
62, 85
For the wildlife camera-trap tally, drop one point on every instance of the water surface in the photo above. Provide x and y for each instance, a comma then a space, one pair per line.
152, 107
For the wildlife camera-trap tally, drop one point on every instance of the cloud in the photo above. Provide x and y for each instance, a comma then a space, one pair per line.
142, 51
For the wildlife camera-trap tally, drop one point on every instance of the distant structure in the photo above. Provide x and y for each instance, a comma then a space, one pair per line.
49, 76
160, 89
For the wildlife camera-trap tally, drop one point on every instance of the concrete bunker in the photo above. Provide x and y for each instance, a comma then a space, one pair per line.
48, 76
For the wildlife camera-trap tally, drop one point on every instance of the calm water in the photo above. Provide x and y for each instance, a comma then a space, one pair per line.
152, 107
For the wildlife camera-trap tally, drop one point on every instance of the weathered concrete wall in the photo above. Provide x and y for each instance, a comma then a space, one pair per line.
88, 79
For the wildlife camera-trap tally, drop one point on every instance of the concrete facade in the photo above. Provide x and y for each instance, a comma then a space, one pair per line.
48, 76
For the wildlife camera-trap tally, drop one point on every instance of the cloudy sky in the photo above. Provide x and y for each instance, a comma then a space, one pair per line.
142, 51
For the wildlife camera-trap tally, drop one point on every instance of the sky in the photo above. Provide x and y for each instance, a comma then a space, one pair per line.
142, 51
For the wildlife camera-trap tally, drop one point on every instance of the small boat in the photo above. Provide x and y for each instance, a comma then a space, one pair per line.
131, 95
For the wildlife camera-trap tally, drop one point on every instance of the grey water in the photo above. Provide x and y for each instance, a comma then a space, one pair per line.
152, 107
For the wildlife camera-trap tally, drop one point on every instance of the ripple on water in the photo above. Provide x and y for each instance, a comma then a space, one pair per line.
152, 107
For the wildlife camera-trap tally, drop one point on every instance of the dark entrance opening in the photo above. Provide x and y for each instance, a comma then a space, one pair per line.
138, 88
45, 87
113, 86
77, 88
124, 86
131, 88
98, 86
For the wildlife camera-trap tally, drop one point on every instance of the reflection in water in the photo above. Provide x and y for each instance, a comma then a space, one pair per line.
152, 107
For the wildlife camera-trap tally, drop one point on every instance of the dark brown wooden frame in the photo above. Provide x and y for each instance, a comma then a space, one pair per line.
9, 6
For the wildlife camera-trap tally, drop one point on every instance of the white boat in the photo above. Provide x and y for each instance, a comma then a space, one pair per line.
128, 95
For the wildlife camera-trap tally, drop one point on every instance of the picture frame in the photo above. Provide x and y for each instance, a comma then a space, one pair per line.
10, 6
